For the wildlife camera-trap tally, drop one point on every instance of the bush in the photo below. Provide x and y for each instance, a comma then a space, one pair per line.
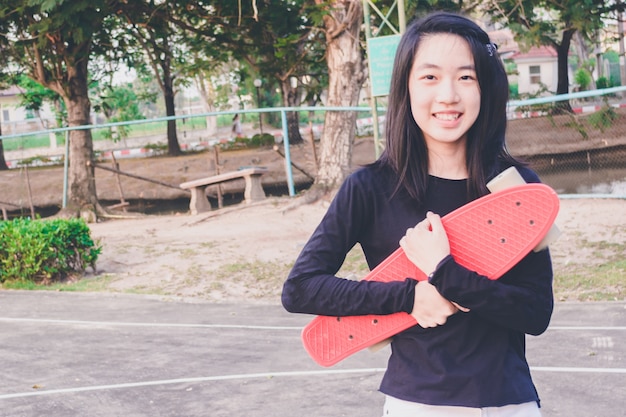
260, 140
582, 78
603, 118
602, 82
42, 251
256, 141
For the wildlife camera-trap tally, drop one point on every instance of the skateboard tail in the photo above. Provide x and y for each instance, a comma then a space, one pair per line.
530, 211
333, 339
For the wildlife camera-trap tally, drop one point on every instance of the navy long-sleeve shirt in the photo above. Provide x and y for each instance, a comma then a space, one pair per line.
476, 359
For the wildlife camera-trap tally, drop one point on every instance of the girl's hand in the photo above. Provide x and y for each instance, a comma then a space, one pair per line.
430, 308
426, 244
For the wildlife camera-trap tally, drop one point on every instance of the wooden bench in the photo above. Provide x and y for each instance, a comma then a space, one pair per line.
253, 191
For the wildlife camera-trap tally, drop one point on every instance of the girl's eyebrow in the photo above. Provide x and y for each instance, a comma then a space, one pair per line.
434, 66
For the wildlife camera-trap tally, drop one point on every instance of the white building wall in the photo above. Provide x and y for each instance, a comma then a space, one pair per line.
548, 75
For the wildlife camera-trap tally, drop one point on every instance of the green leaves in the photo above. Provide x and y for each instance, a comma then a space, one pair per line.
45, 250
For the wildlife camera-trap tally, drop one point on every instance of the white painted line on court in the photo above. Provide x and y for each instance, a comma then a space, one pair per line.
190, 380
230, 326
127, 324
578, 370
587, 328
266, 375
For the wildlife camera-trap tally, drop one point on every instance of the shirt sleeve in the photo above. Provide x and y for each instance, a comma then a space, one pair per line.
312, 285
522, 299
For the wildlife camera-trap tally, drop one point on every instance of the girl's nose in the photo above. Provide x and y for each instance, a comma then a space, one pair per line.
447, 92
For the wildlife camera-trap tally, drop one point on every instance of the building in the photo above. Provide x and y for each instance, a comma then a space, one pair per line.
17, 119
537, 70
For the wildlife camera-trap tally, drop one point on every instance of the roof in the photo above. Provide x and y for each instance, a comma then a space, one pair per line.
537, 52
11, 91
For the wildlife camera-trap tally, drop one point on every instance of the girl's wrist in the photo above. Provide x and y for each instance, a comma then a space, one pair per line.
433, 273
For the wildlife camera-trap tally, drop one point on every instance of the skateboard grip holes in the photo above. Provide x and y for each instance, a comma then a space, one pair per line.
350, 337
518, 203
503, 240
375, 322
489, 221
531, 222
338, 319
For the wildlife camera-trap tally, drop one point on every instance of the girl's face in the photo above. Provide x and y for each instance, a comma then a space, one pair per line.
443, 89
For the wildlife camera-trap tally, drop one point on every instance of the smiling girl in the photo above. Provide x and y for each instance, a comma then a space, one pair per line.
445, 139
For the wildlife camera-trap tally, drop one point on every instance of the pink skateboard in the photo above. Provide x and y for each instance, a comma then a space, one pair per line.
489, 236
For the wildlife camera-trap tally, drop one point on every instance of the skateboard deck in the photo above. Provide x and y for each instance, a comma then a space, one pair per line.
488, 235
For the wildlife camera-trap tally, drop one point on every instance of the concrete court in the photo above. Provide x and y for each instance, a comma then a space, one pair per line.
79, 354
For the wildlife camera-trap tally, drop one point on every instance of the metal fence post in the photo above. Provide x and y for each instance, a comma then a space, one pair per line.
289, 172
66, 161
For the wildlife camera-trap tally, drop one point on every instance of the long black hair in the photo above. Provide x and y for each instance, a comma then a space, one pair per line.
405, 151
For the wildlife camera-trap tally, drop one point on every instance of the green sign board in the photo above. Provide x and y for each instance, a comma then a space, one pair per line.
381, 52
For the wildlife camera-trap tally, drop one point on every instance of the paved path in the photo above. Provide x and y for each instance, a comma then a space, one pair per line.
77, 354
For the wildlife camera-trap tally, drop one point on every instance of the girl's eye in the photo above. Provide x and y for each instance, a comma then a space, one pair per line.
429, 77
467, 78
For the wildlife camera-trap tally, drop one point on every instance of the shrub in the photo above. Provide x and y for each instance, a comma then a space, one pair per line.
582, 78
603, 118
42, 251
602, 82
260, 140
256, 141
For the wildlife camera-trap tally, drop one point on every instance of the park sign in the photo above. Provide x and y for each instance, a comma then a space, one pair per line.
381, 52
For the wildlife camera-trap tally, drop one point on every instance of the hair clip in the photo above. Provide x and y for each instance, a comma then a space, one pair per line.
492, 48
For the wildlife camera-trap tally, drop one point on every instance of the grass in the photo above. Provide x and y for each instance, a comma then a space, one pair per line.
604, 282
97, 284
601, 281
354, 266
100, 134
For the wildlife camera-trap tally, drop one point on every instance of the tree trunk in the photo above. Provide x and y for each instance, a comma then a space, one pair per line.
173, 147
291, 98
346, 72
3, 162
82, 196
562, 86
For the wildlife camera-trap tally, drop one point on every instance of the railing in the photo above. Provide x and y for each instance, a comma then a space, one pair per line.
282, 110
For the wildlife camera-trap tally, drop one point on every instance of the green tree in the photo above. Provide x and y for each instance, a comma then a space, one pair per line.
52, 42
119, 103
551, 23
276, 40
165, 48
418, 8
34, 96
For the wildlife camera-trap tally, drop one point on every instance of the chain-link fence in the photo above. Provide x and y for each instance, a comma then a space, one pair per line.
582, 152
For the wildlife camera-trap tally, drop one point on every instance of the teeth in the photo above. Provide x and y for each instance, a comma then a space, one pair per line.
447, 116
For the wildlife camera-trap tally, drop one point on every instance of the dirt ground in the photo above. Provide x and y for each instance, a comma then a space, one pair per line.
245, 252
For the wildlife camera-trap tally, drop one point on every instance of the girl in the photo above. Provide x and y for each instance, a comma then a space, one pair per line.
445, 131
